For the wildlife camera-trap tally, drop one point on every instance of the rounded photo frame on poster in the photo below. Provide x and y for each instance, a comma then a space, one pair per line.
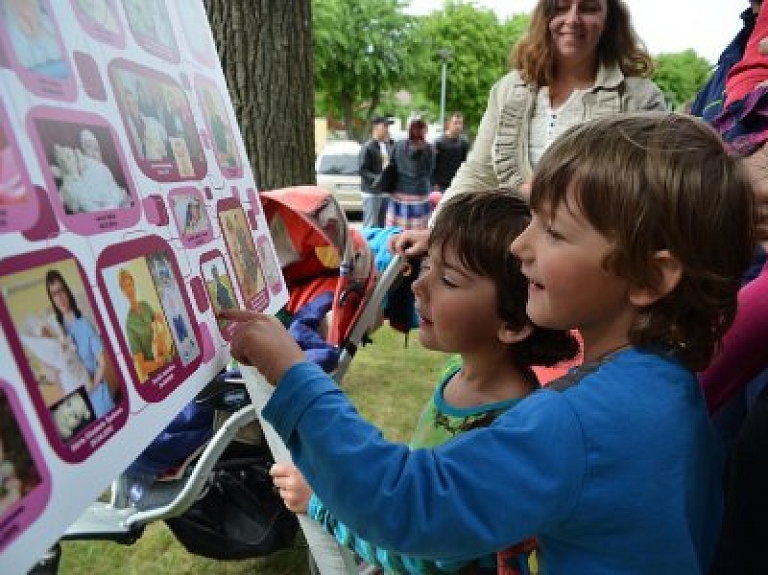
149, 307
63, 351
241, 249
151, 27
89, 183
158, 123
32, 43
100, 19
19, 206
220, 289
25, 481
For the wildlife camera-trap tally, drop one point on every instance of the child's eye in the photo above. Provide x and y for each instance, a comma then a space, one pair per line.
553, 233
447, 281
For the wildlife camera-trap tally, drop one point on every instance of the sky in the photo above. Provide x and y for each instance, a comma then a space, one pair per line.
664, 25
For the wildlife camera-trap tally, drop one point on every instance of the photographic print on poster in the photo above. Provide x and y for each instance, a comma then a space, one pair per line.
151, 27
18, 202
196, 32
191, 216
25, 484
32, 43
269, 264
99, 18
219, 127
238, 237
172, 301
91, 191
150, 310
220, 289
158, 123
62, 350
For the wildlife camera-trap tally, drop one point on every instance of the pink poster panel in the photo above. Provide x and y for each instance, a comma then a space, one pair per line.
57, 337
158, 122
89, 187
150, 310
25, 483
31, 40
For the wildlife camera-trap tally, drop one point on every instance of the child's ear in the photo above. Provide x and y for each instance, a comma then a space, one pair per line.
508, 334
669, 270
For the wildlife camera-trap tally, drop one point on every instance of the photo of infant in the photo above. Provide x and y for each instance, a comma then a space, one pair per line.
31, 34
85, 166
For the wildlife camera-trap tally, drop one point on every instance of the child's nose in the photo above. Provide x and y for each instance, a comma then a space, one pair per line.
520, 246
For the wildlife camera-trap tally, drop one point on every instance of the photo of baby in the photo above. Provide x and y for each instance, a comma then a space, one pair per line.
18, 474
31, 34
84, 165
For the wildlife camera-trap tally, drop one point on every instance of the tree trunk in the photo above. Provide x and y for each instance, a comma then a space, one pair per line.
265, 47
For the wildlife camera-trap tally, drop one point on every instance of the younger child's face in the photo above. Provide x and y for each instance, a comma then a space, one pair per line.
457, 307
562, 256
757, 169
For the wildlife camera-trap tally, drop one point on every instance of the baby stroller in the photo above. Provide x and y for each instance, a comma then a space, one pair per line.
215, 493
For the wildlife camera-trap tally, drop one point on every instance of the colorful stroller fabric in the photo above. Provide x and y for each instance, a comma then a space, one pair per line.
319, 252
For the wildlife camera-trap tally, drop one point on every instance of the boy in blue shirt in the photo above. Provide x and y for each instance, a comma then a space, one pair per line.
643, 226
471, 300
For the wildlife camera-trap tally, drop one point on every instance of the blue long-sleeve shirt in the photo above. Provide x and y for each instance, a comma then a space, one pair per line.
619, 474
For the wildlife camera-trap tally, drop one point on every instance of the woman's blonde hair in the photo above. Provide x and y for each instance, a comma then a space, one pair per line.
533, 55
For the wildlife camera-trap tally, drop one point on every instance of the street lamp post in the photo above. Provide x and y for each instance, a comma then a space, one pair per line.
444, 54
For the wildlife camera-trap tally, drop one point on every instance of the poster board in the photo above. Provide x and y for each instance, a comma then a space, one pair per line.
128, 217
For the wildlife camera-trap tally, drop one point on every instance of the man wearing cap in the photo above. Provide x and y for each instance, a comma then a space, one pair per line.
374, 156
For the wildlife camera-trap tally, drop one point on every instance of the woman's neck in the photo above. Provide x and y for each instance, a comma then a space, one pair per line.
570, 77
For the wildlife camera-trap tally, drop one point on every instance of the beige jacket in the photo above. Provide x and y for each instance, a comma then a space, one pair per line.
499, 156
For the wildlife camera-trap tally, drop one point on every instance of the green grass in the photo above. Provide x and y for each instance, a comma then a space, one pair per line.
387, 382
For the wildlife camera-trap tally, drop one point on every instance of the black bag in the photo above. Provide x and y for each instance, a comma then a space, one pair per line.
388, 178
239, 517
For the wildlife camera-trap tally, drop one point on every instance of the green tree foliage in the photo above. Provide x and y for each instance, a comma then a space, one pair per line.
362, 49
680, 76
479, 47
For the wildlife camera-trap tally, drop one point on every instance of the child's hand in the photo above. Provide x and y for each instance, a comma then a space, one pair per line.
261, 340
291, 486
410, 243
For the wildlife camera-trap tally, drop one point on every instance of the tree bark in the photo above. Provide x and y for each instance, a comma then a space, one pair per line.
265, 47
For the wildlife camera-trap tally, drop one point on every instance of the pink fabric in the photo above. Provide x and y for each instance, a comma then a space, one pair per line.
753, 66
744, 353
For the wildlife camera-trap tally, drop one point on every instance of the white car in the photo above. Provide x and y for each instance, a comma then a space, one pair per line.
337, 169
